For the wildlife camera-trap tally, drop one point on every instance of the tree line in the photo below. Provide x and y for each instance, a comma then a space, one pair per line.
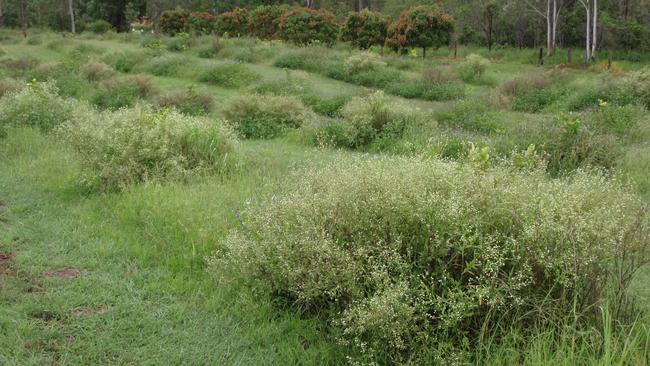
591, 24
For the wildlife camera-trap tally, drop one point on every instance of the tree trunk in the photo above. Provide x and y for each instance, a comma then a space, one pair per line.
2, 15
549, 19
363, 4
554, 36
23, 17
490, 21
73, 28
588, 34
594, 33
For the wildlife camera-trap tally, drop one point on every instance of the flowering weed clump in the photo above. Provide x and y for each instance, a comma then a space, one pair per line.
37, 105
414, 259
141, 145
267, 116
366, 119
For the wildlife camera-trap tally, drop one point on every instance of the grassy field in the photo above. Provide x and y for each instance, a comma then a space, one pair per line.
120, 276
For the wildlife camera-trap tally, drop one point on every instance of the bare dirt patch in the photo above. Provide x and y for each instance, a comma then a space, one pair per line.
63, 273
5, 263
89, 312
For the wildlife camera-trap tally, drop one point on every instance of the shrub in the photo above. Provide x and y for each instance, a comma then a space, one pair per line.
266, 116
620, 120
365, 29
167, 65
525, 84
576, 144
119, 93
141, 145
264, 21
421, 27
96, 71
363, 62
639, 84
152, 42
174, 21
330, 107
99, 26
304, 26
233, 23
617, 92
38, 105
201, 22
182, 42
411, 257
535, 100
371, 117
188, 101
471, 115
215, 47
229, 75
125, 61
8, 86
299, 61
473, 68
432, 85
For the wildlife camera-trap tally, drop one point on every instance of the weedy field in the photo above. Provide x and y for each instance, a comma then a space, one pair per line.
205, 200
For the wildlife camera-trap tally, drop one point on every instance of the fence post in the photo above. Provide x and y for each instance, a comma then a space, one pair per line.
541, 56
569, 56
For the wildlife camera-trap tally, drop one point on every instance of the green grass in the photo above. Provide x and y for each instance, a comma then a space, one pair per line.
143, 296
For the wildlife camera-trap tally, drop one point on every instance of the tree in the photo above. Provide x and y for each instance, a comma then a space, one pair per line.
71, 12
490, 12
422, 27
551, 15
303, 26
591, 34
264, 21
365, 28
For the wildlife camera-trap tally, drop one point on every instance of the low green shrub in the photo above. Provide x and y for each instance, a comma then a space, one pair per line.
638, 83
524, 84
34, 40
616, 93
134, 145
266, 116
535, 100
9, 85
96, 71
369, 118
180, 43
577, 143
363, 62
620, 120
125, 61
229, 75
414, 261
168, 65
99, 26
299, 60
470, 115
188, 101
37, 105
434, 85
119, 93
329, 107
152, 42
473, 68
